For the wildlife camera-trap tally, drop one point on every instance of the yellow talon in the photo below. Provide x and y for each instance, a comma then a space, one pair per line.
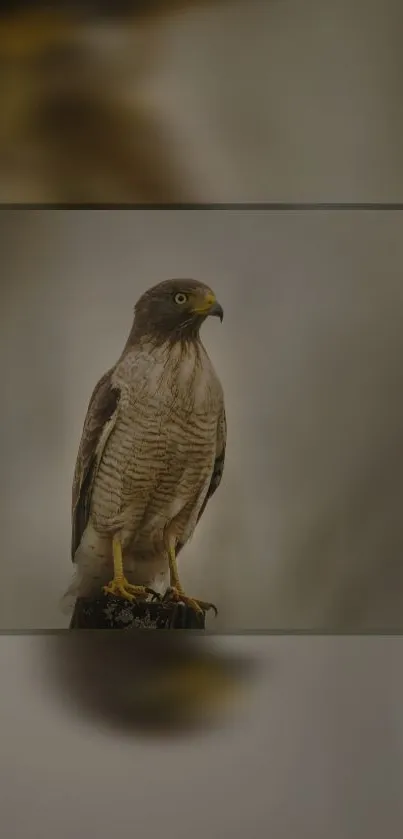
178, 595
120, 587
176, 592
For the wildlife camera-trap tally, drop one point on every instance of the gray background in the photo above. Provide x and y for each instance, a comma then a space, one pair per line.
306, 530
283, 100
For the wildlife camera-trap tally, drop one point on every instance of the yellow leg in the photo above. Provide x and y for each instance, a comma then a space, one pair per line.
176, 591
173, 567
119, 586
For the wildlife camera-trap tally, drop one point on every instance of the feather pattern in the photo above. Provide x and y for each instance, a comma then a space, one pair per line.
218, 468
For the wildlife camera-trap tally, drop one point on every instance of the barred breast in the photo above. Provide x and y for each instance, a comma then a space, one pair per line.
157, 461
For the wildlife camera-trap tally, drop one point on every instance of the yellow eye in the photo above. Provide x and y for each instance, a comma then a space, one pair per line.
180, 298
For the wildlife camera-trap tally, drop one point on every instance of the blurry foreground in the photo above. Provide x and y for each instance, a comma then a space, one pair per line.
316, 751
200, 100
159, 683
76, 124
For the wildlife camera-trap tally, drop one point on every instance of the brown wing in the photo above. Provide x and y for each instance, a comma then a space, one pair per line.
101, 411
217, 470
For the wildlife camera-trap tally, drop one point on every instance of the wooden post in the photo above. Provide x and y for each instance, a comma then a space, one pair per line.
108, 612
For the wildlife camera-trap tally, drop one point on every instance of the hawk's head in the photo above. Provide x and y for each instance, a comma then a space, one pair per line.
175, 309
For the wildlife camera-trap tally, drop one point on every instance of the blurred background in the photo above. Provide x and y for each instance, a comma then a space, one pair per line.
201, 100
306, 529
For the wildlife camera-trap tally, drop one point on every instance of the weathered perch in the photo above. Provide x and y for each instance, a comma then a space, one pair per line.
109, 612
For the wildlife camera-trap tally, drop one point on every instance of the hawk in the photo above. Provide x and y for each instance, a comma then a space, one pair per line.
152, 450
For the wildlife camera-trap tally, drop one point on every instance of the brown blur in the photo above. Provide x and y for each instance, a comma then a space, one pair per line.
76, 124
157, 683
201, 100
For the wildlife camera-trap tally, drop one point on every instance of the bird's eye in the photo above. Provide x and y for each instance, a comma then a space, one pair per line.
180, 298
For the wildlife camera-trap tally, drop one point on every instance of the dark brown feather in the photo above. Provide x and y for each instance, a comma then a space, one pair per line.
101, 408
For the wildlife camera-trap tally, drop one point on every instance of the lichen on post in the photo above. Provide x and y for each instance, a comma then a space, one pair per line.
109, 612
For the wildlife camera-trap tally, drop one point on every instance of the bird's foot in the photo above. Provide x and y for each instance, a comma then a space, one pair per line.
120, 587
179, 596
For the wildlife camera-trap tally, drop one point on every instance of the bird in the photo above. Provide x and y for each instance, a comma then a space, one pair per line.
152, 452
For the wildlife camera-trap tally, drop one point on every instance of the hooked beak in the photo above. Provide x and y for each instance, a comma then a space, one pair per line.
216, 311
210, 308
